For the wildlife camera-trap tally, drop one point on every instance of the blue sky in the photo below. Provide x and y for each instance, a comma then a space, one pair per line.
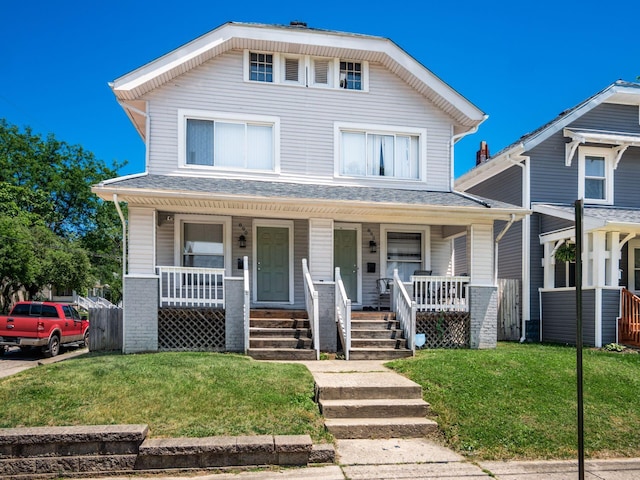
521, 63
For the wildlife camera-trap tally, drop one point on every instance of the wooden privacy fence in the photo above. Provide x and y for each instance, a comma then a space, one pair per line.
508, 309
105, 329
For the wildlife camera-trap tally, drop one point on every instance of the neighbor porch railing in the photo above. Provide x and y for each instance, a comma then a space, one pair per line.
440, 293
191, 287
405, 310
343, 314
629, 323
246, 304
311, 301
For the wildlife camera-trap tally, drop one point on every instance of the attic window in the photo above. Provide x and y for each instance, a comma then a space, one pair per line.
261, 67
350, 75
291, 69
321, 72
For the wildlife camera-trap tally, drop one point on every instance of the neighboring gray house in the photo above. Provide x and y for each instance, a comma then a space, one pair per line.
591, 151
304, 151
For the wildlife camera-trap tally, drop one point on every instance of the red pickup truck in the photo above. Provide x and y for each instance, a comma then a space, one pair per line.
43, 324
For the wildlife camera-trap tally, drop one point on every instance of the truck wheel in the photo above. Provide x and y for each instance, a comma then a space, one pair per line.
54, 346
86, 339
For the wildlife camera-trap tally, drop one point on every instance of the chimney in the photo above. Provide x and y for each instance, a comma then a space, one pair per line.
482, 155
298, 24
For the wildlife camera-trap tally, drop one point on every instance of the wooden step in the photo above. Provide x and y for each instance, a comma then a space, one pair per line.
378, 353
378, 343
374, 408
410, 427
377, 334
362, 315
278, 343
280, 313
259, 332
281, 354
374, 324
278, 323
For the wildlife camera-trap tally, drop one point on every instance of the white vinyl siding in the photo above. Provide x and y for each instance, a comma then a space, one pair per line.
321, 249
141, 255
481, 254
306, 141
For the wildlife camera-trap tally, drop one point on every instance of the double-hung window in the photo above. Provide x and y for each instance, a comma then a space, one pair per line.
595, 172
378, 153
228, 141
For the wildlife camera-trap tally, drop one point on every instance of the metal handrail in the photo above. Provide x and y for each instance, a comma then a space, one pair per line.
311, 301
405, 310
343, 314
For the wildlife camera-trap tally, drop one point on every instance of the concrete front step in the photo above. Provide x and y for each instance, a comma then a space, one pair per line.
374, 408
359, 386
275, 342
411, 427
378, 353
260, 332
281, 354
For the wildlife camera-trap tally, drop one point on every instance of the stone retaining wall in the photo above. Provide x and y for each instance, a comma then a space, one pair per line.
49, 452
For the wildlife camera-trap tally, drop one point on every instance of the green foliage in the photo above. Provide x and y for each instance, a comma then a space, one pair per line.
566, 252
69, 237
614, 347
519, 401
176, 394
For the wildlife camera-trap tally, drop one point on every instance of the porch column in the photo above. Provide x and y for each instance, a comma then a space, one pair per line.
142, 240
598, 255
549, 262
615, 251
321, 249
483, 294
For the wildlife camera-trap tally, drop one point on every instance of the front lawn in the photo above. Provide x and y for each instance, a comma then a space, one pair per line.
176, 394
519, 401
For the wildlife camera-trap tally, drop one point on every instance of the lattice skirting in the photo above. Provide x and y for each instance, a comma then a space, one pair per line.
444, 329
191, 329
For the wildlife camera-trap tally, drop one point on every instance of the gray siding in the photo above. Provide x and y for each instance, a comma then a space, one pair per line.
610, 314
559, 317
505, 186
307, 117
536, 272
550, 224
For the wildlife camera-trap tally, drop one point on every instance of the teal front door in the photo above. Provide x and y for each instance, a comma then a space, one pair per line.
345, 256
272, 264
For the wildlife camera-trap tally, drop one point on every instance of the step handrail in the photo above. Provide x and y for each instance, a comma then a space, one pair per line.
629, 323
311, 301
343, 314
405, 310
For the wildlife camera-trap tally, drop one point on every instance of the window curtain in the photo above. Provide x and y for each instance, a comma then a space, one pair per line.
380, 153
260, 147
406, 157
229, 144
199, 142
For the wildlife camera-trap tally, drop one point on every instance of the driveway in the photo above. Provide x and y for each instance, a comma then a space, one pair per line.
15, 360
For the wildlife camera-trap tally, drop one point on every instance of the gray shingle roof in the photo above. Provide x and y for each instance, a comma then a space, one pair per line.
608, 214
282, 190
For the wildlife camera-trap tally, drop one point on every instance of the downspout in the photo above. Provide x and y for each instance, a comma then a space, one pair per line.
495, 250
526, 228
124, 234
454, 139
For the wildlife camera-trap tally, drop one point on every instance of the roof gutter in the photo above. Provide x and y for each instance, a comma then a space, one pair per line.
452, 142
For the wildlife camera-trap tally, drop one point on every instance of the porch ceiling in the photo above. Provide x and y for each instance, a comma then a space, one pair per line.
291, 200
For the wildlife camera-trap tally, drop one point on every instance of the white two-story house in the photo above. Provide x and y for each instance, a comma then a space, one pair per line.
301, 151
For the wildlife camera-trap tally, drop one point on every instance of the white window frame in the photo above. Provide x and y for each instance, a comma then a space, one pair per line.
425, 230
189, 114
306, 71
376, 129
607, 154
178, 236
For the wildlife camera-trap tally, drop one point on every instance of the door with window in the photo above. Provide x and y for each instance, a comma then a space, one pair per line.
272, 264
345, 256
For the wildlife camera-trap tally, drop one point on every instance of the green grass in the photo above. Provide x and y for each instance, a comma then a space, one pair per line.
519, 401
176, 394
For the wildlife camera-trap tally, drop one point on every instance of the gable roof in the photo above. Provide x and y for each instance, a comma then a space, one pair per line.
621, 92
296, 40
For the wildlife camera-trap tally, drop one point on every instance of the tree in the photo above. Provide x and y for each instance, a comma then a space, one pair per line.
72, 237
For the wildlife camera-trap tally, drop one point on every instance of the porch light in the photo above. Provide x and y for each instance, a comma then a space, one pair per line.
242, 241
373, 246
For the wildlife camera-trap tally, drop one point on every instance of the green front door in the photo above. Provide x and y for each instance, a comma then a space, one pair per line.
345, 256
272, 267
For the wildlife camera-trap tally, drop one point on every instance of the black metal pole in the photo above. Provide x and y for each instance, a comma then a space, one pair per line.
579, 208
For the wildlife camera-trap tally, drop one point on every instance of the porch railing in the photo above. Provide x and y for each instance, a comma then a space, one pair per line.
343, 314
629, 323
440, 293
311, 301
405, 310
246, 304
191, 287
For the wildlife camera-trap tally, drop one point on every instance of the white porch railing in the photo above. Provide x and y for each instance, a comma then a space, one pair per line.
405, 310
246, 304
94, 302
440, 293
311, 300
343, 314
191, 287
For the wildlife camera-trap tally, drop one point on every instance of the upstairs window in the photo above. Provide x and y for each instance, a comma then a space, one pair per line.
261, 67
350, 75
370, 153
595, 172
228, 141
